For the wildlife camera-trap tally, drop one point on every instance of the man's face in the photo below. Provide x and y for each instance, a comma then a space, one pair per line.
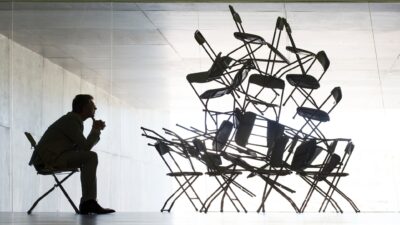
90, 109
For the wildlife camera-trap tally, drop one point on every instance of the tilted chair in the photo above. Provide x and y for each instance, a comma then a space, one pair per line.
43, 170
276, 88
253, 43
231, 89
306, 83
217, 73
317, 114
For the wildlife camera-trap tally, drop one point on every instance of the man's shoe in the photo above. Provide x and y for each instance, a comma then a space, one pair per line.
92, 207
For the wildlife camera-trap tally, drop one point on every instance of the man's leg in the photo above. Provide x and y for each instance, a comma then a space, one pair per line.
87, 162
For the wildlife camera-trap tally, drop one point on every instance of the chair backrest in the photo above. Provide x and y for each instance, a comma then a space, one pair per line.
220, 64
217, 69
222, 135
349, 148
241, 75
277, 150
245, 126
323, 60
199, 147
235, 15
162, 148
199, 37
30, 139
280, 23
213, 161
332, 163
274, 131
304, 155
34, 153
337, 94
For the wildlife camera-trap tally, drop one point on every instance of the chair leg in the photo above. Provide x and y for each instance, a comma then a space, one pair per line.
183, 190
58, 184
40, 198
337, 190
324, 194
65, 192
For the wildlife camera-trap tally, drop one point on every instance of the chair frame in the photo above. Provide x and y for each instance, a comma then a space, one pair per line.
53, 173
188, 177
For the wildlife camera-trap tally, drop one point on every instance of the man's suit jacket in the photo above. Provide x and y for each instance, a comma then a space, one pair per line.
66, 134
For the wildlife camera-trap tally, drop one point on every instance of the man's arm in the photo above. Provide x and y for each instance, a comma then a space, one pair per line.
74, 131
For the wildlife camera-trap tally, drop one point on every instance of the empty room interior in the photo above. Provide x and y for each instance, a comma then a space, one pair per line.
199, 112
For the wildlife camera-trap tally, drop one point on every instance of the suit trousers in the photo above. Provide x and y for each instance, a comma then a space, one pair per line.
87, 162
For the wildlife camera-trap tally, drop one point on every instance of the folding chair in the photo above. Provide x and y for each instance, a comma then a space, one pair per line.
332, 167
189, 178
276, 165
276, 88
184, 178
43, 170
253, 39
227, 59
245, 124
306, 83
319, 115
225, 176
214, 74
226, 90
330, 172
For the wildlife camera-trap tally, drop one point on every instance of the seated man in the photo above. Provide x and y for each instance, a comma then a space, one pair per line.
63, 146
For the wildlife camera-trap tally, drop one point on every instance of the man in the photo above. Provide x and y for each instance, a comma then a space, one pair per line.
63, 146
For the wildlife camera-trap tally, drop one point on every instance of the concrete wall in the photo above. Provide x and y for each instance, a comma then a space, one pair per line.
34, 92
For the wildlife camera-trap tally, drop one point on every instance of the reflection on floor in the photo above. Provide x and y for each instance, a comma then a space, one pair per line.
155, 218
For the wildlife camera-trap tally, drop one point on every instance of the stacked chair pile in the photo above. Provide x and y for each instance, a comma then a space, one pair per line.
248, 139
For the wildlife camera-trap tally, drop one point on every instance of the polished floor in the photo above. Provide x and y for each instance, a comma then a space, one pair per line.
154, 218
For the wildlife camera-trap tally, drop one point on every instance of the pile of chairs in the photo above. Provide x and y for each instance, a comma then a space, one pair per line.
247, 138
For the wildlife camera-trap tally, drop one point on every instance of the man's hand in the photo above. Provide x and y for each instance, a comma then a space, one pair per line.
98, 124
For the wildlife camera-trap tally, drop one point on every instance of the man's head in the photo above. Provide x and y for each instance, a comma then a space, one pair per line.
84, 106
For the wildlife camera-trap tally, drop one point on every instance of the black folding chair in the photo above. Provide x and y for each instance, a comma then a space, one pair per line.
184, 178
330, 170
231, 89
317, 114
253, 42
305, 83
41, 169
273, 88
225, 176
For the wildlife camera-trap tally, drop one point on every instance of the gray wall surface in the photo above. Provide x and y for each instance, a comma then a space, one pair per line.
34, 92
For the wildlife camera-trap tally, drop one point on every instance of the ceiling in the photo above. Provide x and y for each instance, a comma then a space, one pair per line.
141, 52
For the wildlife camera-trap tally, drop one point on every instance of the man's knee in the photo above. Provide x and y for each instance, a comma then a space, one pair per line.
92, 158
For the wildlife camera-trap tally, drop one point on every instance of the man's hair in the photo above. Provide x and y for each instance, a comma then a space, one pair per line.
79, 102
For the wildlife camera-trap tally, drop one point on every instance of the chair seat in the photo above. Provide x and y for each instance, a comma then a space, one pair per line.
259, 102
215, 93
274, 172
316, 173
177, 174
302, 81
246, 37
199, 77
50, 171
313, 114
225, 172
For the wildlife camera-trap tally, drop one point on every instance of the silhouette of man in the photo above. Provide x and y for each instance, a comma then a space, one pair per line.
63, 146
